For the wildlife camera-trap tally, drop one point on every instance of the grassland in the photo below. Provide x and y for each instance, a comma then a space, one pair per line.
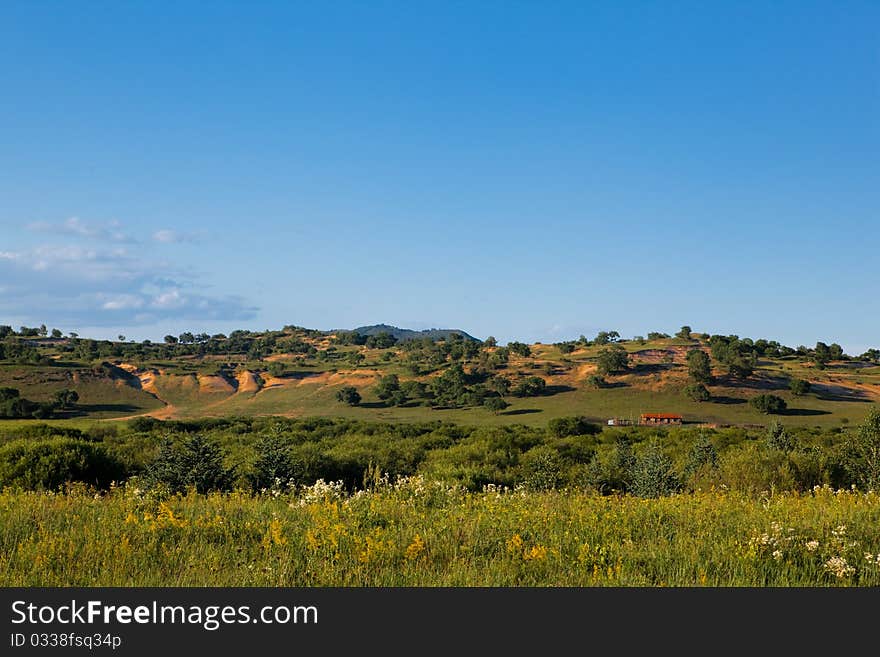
419, 533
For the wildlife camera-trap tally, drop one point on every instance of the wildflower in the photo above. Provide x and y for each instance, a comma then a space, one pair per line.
415, 549
812, 546
777, 554
838, 567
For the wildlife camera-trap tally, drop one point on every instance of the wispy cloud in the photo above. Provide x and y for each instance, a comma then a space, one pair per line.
168, 236
106, 284
110, 231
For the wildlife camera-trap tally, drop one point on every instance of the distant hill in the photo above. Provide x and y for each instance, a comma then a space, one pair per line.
403, 334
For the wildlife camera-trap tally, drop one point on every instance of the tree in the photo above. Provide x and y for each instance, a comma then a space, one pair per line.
768, 403
612, 360
170, 339
197, 464
5, 331
684, 333
273, 463
66, 398
348, 395
520, 348
490, 342
495, 404
56, 333
531, 386
387, 386
702, 455
799, 386
862, 453
778, 438
653, 474
606, 337
561, 427
697, 392
43, 331
596, 381
699, 366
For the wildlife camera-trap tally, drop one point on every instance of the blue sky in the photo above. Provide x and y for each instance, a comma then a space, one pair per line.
527, 170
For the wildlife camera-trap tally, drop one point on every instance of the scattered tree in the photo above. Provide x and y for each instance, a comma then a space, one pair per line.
348, 395
768, 403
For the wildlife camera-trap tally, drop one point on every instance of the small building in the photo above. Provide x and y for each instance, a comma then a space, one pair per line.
660, 418
618, 422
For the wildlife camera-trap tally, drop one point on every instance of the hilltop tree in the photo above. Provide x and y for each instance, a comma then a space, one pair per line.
612, 360
490, 341
170, 339
606, 337
56, 333
520, 348
699, 366
684, 333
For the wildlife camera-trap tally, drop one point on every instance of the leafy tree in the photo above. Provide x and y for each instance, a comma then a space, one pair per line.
56, 333
383, 340
703, 454
170, 339
799, 386
387, 386
531, 386
768, 403
541, 468
606, 337
697, 392
66, 398
273, 462
656, 335
778, 438
566, 347
612, 360
197, 464
5, 331
653, 474
596, 381
684, 333
699, 366
499, 384
520, 348
43, 331
862, 453
490, 342
186, 338
48, 464
348, 395
495, 404
872, 355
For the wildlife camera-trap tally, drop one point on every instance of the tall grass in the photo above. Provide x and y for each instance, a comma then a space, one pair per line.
423, 533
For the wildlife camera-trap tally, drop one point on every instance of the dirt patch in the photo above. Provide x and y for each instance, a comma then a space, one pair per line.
248, 381
214, 383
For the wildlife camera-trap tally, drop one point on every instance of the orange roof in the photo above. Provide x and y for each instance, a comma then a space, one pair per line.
662, 416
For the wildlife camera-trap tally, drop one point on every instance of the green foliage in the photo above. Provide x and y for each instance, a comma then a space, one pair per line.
541, 468
66, 398
273, 465
653, 474
697, 392
561, 427
799, 386
699, 367
862, 453
702, 458
348, 395
612, 360
684, 333
387, 386
596, 381
778, 438
495, 404
520, 348
197, 463
50, 463
766, 403
531, 386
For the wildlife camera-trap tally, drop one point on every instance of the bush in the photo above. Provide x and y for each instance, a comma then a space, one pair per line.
596, 381
799, 386
531, 386
612, 360
768, 403
541, 468
48, 464
561, 427
862, 453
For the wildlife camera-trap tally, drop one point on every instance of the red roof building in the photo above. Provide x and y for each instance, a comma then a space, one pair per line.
660, 418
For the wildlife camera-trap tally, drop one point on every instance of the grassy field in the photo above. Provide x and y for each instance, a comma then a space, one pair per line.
418, 533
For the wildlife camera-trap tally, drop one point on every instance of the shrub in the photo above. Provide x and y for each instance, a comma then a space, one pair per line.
196, 464
531, 386
862, 453
348, 395
612, 359
799, 386
48, 464
561, 427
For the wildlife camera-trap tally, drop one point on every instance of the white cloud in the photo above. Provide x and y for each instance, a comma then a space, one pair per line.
105, 285
168, 236
110, 231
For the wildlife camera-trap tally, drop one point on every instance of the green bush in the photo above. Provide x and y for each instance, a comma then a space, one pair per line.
768, 403
561, 427
48, 464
